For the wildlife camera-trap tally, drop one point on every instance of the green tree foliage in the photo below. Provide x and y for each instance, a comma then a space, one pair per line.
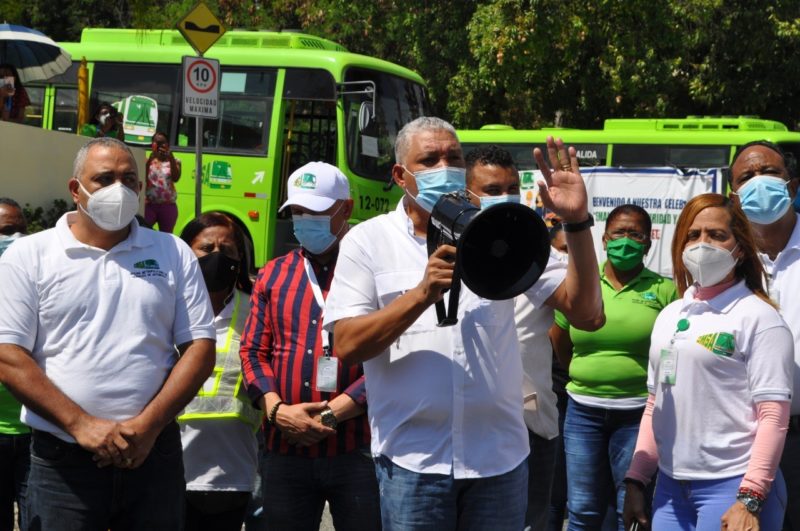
527, 63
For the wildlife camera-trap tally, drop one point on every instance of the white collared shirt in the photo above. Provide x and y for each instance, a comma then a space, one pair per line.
441, 399
102, 325
784, 285
733, 351
533, 324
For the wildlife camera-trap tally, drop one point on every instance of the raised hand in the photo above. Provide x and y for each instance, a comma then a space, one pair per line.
562, 189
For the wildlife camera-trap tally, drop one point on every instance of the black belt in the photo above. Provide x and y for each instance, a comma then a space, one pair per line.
794, 424
47, 436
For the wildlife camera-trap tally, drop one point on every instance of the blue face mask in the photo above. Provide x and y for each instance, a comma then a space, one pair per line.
764, 199
491, 200
314, 232
433, 184
6, 241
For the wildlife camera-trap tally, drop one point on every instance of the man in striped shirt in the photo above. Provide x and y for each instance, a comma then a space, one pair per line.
316, 433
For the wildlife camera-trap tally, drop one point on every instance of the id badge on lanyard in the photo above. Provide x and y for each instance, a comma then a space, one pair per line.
327, 370
668, 365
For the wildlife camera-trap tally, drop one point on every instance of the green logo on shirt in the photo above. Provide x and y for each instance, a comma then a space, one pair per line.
307, 181
146, 264
721, 343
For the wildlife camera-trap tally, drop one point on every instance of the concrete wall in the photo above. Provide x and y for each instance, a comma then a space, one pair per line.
35, 164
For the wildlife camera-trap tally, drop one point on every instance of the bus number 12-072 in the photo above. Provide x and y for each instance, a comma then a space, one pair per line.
380, 204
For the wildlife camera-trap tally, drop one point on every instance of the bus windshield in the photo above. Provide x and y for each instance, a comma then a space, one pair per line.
370, 153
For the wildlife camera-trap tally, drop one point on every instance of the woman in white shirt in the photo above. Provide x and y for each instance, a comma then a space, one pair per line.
720, 382
218, 426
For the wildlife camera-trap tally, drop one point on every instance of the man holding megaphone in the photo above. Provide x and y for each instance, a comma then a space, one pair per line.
448, 436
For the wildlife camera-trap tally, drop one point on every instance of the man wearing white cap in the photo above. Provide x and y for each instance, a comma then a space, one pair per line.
316, 434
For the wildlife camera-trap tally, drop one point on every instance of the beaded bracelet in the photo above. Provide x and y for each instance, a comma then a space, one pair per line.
745, 491
274, 412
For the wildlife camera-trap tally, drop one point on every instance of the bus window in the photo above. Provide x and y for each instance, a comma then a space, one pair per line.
370, 153
633, 155
245, 109
791, 147
34, 111
114, 82
65, 114
310, 120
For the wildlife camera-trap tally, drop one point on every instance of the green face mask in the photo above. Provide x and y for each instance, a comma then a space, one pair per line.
624, 253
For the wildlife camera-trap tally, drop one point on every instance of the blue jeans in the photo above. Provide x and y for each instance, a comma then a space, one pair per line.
14, 464
296, 488
66, 490
541, 465
699, 505
599, 445
411, 501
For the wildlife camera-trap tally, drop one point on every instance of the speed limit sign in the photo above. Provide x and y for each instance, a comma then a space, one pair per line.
200, 87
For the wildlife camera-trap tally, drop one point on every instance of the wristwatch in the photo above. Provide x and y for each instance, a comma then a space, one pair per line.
328, 418
577, 227
751, 503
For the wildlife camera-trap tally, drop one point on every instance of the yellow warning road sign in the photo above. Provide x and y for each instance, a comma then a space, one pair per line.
201, 28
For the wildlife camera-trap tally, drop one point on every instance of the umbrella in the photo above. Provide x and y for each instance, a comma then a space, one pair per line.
34, 55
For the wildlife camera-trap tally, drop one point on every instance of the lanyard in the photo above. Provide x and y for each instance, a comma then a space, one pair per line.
312, 279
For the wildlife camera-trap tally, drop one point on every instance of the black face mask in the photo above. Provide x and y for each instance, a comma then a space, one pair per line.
219, 271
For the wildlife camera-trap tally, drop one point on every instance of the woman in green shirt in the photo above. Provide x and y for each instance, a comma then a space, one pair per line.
608, 371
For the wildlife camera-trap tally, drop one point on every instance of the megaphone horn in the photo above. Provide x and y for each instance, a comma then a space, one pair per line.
500, 251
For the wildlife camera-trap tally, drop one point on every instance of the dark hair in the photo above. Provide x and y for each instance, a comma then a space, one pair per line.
555, 229
749, 266
20, 99
112, 109
220, 219
789, 160
631, 210
14, 73
160, 133
10, 202
489, 156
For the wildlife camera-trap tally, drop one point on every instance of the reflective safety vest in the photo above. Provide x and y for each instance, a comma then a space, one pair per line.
223, 395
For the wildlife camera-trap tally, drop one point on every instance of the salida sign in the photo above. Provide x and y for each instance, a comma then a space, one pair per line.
200, 87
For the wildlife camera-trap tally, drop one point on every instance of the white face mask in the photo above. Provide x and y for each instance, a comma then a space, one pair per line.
112, 207
708, 264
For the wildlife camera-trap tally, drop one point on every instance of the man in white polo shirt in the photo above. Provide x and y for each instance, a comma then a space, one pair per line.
445, 403
92, 311
764, 182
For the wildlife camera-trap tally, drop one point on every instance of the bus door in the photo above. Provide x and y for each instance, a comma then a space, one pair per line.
309, 134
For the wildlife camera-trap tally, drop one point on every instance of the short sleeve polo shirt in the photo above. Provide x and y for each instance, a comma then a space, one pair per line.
612, 362
102, 325
729, 353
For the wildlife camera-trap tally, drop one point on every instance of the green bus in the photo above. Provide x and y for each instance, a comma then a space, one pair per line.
286, 99
691, 142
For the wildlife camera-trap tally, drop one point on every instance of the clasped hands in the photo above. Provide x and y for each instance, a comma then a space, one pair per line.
300, 423
124, 444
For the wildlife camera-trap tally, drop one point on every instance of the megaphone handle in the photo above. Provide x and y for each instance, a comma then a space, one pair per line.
452, 305
451, 316
441, 313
